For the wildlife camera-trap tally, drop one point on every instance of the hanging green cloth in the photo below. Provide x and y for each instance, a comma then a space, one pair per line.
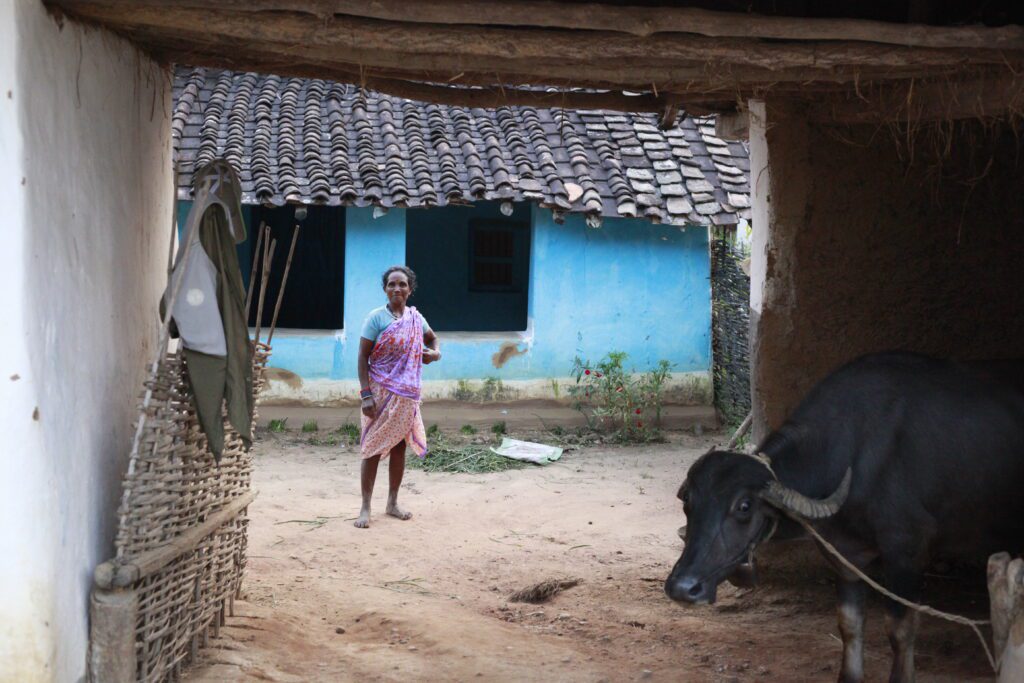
216, 345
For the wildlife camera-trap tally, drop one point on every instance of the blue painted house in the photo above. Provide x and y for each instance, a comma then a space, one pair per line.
537, 235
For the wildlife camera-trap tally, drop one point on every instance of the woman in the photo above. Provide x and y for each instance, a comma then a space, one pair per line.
395, 343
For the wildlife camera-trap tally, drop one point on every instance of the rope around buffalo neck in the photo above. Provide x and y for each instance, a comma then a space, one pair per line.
925, 609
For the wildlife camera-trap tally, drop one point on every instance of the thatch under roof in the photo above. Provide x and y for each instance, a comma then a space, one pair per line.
865, 59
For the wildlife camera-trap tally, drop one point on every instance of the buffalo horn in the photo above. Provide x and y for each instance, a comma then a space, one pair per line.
788, 499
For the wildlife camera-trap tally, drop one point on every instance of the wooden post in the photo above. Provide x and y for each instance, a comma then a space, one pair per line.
1006, 592
112, 652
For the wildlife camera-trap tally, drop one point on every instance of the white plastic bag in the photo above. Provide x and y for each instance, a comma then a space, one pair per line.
538, 453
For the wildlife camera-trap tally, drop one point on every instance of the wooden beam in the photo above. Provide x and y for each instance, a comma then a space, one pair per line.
239, 57
716, 81
1006, 600
113, 575
112, 617
642, 21
396, 44
491, 97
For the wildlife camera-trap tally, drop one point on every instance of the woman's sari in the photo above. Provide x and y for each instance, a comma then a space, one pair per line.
396, 366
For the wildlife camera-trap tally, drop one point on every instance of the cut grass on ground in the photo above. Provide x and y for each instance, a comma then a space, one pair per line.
474, 459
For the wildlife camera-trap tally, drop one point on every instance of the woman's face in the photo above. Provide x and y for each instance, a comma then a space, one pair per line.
397, 288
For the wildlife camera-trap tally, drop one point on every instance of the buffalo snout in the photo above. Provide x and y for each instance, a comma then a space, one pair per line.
690, 589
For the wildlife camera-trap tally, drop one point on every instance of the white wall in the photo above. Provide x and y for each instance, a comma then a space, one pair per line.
86, 187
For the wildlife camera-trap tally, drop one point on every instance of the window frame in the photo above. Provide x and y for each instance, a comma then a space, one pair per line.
515, 229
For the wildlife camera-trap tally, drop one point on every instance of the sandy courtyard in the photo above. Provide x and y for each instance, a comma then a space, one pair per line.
426, 599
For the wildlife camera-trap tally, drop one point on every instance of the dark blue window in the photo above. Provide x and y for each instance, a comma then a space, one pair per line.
315, 293
473, 266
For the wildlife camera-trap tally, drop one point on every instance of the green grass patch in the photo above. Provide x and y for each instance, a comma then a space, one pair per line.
499, 428
468, 430
473, 459
349, 431
331, 439
433, 431
310, 426
278, 425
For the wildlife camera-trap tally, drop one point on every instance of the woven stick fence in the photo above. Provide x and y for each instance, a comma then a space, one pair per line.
730, 322
181, 540
181, 552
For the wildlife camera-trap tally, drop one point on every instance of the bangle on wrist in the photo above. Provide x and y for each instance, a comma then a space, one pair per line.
366, 393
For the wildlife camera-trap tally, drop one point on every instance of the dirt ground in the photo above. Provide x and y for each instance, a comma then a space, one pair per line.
426, 599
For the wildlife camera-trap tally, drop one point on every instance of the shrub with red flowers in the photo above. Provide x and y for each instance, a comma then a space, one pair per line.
613, 400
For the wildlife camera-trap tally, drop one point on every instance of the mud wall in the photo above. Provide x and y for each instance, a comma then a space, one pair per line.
875, 237
85, 172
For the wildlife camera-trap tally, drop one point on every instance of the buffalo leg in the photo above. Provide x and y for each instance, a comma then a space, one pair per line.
851, 625
901, 625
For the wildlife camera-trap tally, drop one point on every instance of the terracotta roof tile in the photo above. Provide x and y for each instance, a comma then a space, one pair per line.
316, 141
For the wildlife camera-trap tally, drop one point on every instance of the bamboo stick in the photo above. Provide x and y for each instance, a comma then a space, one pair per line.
284, 283
252, 270
740, 431
174, 223
263, 285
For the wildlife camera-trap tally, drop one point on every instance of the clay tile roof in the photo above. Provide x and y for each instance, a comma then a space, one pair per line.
295, 140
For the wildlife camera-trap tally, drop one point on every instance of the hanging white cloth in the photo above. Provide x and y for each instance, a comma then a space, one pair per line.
196, 312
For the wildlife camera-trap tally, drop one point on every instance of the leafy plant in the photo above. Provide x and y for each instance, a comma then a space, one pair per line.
467, 429
463, 391
499, 428
433, 431
614, 400
310, 426
350, 432
278, 425
332, 439
493, 390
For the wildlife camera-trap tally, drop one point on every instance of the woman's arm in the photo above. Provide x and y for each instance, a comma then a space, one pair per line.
432, 347
363, 370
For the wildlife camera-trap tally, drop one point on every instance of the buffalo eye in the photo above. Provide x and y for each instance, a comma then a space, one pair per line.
743, 507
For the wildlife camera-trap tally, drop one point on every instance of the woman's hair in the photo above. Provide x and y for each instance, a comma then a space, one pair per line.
407, 271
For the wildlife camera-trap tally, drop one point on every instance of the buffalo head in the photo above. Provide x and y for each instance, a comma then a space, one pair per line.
732, 503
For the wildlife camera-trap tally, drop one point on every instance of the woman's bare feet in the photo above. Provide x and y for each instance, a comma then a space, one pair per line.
395, 511
363, 522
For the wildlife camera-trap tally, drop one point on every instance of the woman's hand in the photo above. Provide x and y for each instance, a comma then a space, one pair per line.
369, 408
430, 356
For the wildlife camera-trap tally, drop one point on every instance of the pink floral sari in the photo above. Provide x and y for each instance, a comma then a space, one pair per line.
396, 366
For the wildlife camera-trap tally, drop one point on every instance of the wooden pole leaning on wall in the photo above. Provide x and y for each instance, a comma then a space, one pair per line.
112, 617
269, 247
284, 283
252, 269
1006, 594
740, 432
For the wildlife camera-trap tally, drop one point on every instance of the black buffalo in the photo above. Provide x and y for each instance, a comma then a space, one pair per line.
897, 459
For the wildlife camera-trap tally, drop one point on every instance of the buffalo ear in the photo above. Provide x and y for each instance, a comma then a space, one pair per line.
682, 532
